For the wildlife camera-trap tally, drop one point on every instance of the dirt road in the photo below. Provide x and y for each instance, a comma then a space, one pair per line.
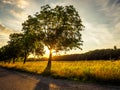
12, 80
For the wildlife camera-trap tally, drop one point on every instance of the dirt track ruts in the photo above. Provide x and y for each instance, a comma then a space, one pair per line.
13, 80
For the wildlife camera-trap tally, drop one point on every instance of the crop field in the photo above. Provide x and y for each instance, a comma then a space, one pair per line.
75, 70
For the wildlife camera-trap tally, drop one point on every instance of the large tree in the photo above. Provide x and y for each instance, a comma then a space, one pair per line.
59, 27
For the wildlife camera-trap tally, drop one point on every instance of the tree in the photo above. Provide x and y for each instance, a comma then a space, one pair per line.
4, 54
15, 45
115, 47
116, 53
38, 49
31, 41
58, 28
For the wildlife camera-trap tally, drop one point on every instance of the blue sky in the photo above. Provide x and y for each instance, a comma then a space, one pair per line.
101, 19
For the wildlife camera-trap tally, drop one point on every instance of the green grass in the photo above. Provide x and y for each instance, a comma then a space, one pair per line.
75, 70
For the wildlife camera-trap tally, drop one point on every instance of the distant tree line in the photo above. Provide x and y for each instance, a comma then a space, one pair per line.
99, 54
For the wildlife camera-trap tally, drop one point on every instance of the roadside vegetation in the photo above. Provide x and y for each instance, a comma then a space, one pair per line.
99, 71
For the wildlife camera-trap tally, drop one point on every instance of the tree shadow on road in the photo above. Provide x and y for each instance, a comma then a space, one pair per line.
44, 84
51, 85
41, 86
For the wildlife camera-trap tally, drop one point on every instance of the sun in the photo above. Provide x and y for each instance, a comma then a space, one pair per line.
47, 52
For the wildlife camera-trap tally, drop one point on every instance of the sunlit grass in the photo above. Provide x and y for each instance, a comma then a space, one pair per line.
77, 70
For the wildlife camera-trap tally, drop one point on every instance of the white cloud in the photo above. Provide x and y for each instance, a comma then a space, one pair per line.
112, 10
16, 24
3, 42
21, 16
8, 1
14, 13
19, 3
117, 26
97, 36
4, 34
4, 30
22, 3
116, 32
62, 3
100, 17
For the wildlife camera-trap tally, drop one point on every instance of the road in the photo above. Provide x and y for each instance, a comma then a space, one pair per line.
13, 80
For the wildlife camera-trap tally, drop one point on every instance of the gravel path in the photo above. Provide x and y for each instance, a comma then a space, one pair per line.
12, 80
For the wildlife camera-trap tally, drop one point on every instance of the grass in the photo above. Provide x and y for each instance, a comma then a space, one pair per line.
107, 71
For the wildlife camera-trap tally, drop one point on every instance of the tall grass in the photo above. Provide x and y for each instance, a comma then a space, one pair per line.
76, 70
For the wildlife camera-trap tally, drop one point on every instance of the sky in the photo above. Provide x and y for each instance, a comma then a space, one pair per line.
101, 19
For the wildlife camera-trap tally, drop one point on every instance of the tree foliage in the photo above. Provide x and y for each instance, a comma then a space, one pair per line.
60, 28
57, 28
31, 39
13, 49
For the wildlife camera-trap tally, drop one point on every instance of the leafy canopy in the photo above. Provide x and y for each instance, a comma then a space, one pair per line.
57, 28
60, 27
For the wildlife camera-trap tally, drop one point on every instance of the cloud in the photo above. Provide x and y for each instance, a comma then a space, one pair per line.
100, 17
4, 34
19, 15
62, 3
117, 26
12, 13
19, 3
22, 3
8, 1
101, 35
97, 36
111, 8
116, 32
4, 30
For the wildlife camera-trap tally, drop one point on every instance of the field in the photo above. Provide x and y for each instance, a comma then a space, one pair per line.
75, 70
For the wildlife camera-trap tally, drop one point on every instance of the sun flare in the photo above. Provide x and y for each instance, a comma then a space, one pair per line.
47, 52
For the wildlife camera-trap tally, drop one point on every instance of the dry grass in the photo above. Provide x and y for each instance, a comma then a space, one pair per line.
77, 70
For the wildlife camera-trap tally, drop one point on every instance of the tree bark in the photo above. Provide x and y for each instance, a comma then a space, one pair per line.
25, 57
13, 60
48, 68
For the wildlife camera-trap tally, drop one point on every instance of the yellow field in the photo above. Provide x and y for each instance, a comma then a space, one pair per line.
83, 70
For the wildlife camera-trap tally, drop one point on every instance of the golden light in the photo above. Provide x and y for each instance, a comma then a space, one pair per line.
31, 56
47, 52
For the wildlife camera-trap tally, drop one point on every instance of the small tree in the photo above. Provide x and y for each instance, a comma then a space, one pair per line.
31, 41
15, 45
115, 47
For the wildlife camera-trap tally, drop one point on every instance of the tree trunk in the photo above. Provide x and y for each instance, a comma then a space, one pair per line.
48, 68
13, 60
25, 57
34, 53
